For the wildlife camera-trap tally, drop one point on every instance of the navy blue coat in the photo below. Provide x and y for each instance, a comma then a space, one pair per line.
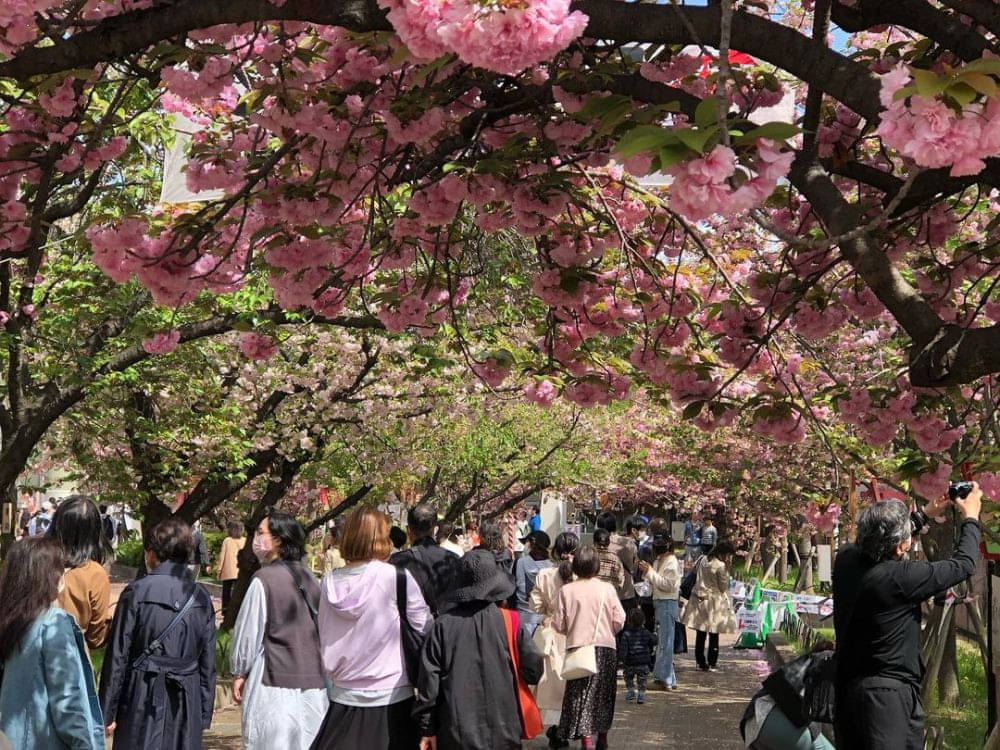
164, 701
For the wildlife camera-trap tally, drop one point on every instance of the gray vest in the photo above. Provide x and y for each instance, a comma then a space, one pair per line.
291, 641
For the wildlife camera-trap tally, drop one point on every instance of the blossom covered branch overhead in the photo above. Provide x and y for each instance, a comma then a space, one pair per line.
583, 198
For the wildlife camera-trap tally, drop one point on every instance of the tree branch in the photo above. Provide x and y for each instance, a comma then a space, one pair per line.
942, 355
917, 15
129, 33
340, 508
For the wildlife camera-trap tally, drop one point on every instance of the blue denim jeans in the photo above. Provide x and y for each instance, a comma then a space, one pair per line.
666, 618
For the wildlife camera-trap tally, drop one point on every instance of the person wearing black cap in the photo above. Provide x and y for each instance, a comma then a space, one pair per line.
525, 572
466, 694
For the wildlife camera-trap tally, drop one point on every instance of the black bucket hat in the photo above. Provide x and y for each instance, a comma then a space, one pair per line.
478, 579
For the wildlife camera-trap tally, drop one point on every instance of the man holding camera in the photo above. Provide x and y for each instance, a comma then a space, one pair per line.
877, 595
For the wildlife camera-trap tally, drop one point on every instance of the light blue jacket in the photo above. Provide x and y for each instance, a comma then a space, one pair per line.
49, 699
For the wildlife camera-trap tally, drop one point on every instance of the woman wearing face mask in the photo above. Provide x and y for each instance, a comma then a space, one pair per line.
275, 653
47, 699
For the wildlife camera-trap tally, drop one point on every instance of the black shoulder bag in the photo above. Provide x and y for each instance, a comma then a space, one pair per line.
412, 639
687, 583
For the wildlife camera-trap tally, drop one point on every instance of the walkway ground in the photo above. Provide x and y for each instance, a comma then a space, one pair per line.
704, 712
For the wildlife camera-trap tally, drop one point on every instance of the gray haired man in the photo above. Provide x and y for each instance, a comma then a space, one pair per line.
877, 595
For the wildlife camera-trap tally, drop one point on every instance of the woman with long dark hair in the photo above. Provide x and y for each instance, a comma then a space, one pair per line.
545, 601
590, 614
158, 679
47, 699
710, 610
275, 651
77, 524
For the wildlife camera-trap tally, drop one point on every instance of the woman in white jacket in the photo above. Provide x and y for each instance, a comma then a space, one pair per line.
544, 600
664, 575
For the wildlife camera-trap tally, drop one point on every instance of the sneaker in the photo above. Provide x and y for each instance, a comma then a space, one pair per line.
673, 687
630, 696
712, 669
641, 698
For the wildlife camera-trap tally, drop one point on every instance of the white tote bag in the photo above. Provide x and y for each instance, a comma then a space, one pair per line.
582, 661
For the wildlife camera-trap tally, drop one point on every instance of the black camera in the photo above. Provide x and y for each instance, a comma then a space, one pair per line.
959, 490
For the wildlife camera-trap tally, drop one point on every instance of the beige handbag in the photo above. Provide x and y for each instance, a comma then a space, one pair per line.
582, 661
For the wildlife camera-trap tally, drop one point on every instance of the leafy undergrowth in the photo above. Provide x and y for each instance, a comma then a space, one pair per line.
964, 725
97, 659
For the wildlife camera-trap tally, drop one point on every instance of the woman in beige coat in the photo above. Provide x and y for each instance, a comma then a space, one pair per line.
544, 600
228, 562
710, 610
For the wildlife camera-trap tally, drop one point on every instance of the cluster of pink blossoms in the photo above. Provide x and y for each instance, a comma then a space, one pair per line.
257, 346
932, 134
879, 425
505, 38
825, 520
702, 188
782, 429
162, 343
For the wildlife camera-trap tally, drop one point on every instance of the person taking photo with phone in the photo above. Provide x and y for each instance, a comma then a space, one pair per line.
878, 593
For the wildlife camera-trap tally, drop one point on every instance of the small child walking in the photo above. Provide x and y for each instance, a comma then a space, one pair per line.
636, 654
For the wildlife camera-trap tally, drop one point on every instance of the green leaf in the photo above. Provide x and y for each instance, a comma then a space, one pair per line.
692, 410
928, 83
904, 92
983, 65
644, 138
707, 112
673, 154
696, 139
775, 131
981, 82
962, 93
599, 106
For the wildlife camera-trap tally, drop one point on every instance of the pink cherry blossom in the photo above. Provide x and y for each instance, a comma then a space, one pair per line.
162, 343
258, 346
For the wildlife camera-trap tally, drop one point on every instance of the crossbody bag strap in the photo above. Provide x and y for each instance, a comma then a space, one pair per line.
313, 612
600, 612
157, 642
401, 595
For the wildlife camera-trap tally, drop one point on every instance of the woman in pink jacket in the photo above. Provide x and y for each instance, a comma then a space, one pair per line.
590, 614
359, 628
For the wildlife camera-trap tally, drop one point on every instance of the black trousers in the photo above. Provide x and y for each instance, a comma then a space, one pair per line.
713, 649
227, 594
648, 613
878, 713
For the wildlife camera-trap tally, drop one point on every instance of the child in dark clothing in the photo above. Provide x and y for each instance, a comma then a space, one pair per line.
636, 654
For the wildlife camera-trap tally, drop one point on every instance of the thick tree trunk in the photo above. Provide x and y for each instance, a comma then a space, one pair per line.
783, 560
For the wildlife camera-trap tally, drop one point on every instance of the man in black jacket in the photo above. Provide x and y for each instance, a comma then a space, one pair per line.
431, 565
877, 595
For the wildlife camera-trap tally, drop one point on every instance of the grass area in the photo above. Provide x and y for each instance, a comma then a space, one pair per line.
97, 659
964, 725
741, 571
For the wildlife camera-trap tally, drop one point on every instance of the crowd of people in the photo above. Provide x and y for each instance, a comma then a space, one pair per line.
437, 640
432, 646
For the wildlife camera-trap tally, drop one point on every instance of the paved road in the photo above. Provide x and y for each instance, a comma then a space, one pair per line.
704, 712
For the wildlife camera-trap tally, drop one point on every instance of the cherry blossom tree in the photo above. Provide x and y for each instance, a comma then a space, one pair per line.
455, 170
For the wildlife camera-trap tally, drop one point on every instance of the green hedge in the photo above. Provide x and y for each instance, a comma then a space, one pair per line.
129, 552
